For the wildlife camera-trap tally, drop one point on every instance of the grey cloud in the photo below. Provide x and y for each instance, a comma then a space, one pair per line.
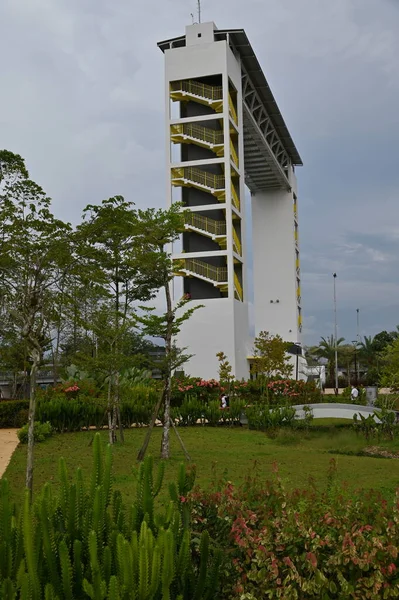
82, 100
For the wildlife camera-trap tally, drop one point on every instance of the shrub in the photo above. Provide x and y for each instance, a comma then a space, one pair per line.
42, 431
189, 412
85, 543
263, 418
72, 413
13, 413
277, 391
310, 543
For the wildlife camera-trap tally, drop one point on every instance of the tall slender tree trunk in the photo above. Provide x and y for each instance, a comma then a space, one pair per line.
31, 421
165, 443
109, 411
144, 447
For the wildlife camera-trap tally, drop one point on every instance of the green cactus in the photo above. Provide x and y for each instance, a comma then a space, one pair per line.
66, 571
83, 543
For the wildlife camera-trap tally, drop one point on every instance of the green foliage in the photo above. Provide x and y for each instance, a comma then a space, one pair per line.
226, 376
367, 426
381, 424
68, 412
321, 542
84, 543
190, 411
42, 431
13, 413
390, 371
326, 350
270, 356
263, 418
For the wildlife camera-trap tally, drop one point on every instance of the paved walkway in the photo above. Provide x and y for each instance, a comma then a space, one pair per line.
8, 442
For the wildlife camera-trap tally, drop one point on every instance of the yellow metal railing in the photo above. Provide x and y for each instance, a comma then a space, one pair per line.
196, 88
297, 263
205, 134
205, 223
238, 286
235, 198
299, 320
236, 242
233, 153
198, 176
232, 110
217, 274
296, 234
298, 291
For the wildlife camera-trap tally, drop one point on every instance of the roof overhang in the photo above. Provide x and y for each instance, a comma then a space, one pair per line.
268, 146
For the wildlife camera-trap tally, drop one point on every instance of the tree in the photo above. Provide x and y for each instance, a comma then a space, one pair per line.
35, 253
390, 370
157, 230
381, 340
368, 350
270, 356
108, 247
226, 377
326, 350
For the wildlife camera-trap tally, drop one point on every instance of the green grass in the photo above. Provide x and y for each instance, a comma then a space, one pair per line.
299, 456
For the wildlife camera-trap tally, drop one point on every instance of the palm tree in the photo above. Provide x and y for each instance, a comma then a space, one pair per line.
367, 351
326, 349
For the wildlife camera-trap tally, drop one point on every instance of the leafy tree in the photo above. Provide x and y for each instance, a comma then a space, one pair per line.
368, 351
35, 252
326, 350
226, 377
156, 231
381, 340
108, 246
270, 356
390, 370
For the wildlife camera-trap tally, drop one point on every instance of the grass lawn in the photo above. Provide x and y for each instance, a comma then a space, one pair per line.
299, 456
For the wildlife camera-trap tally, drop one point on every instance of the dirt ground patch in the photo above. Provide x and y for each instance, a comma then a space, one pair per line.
376, 451
8, 442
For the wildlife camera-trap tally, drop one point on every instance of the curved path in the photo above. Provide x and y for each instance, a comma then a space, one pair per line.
335, 410
8, 442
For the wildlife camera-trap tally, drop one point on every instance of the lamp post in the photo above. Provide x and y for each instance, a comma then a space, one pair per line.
354, 342
335, 335
358, 341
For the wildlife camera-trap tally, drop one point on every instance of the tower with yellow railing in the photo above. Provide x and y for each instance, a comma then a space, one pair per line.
207, 134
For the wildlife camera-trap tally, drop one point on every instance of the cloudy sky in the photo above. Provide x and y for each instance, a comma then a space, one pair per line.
81, 99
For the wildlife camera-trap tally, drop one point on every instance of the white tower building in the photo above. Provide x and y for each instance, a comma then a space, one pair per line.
224, 130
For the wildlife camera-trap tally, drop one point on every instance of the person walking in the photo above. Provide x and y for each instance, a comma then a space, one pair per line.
354, 393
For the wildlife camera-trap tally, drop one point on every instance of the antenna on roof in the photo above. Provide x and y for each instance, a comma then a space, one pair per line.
192, 18
199, 10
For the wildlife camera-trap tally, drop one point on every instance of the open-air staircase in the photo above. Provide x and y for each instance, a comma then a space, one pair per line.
205, 137
203, 93
204, 181
217, 276
215, 230
191, 133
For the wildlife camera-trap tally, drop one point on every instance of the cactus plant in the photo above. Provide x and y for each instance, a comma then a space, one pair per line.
83, 542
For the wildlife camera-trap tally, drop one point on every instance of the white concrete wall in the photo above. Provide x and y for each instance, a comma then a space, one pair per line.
274, 270
209, 331
223, 324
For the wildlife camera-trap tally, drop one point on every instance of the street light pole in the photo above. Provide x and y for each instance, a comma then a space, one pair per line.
355, 352
335, 335
358, 342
